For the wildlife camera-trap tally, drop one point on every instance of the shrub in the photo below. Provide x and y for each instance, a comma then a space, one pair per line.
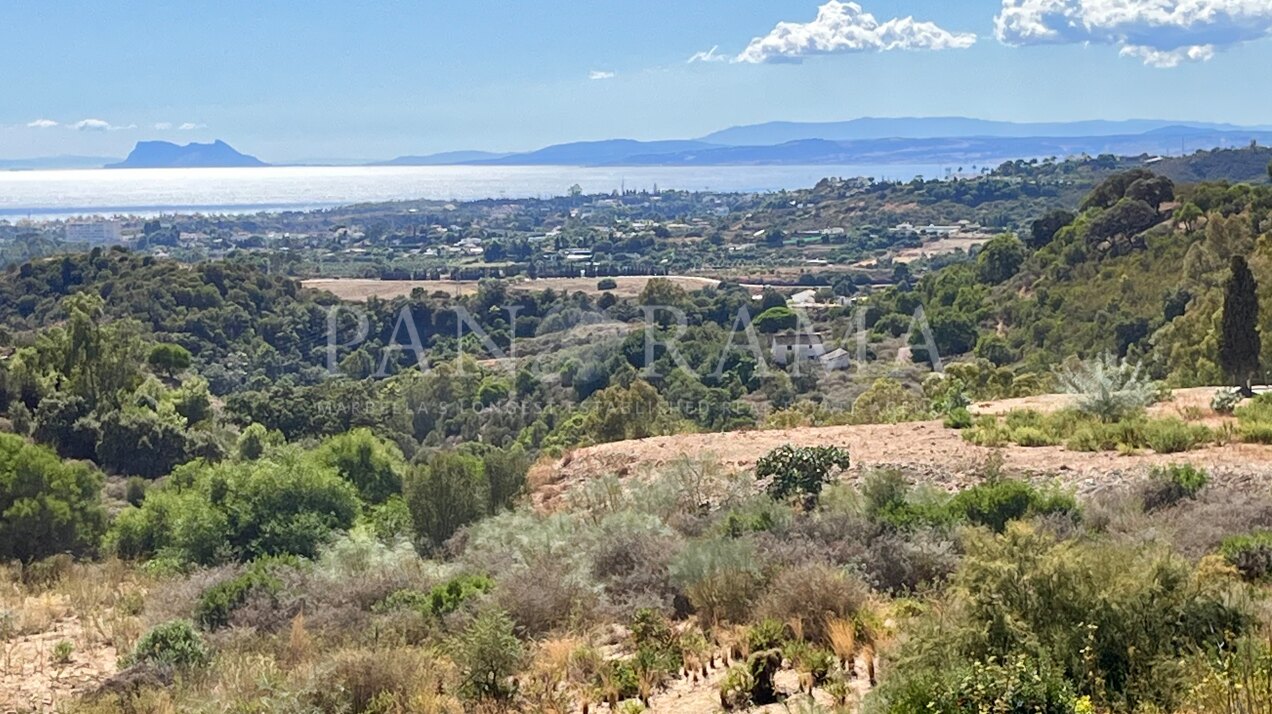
1250, 553
217, 604
445, 493
995, 504
47, 505
1169, 436
371, 464
809, 594
800, 470
1225, 401
488, 654
1030, 436
1168, 485
284, 503
1106, 387
171, 644
607, 284
720, 577
958, 418
1258, 432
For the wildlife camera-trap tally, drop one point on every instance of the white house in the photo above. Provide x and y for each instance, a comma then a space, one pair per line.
838, 358
788, 347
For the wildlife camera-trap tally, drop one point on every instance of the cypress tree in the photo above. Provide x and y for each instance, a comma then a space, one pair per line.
1239, 331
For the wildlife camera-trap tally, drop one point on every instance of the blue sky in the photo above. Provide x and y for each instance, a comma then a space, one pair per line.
328, 79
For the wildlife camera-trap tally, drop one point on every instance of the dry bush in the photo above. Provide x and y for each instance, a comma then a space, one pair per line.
545, 596
804, 597
392, 681
900, 562
634, 567
1198, 526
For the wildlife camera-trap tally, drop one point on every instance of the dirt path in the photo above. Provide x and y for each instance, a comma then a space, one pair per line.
925, 450
359, 289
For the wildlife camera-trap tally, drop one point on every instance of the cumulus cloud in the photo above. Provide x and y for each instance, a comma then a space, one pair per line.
843, 27
42, 124
92, 125
711, 55
1161, 33
600, 74
191, 126
163, 125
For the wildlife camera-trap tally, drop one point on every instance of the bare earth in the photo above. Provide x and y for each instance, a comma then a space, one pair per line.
359, 289
924, 450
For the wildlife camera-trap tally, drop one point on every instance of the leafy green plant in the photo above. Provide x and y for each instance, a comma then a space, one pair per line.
958, 418
174, 644
62, 652
488, 654
1169, 436
1250, 553
800, 470
1168, 485
217, 604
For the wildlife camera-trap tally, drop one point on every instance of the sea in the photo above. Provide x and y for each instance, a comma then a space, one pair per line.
63, 194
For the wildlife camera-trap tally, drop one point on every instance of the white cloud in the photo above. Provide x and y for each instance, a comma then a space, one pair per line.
42, 124
711, 55
1161, 33
843, 27
92, 125
191, 126
600, 74
163, 125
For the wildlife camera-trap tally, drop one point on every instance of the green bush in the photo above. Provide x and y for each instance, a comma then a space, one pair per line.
171, 644
445, 493
284, 503
1168, 485
1031, 436
47, 505
800, 470
442, 599
997, 503
1255, 432
1170, 436
958, 418
373, 465
607, 284
1250, 553
488, 654
218, 603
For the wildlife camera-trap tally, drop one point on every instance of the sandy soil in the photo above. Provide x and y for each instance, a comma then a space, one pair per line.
31, 678
924, 450
359, 289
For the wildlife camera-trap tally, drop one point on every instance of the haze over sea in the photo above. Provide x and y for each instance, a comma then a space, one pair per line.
60, 194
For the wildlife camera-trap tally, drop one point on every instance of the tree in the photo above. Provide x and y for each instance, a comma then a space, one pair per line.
1000, 259
1044, 230
1239, 331
47, 506
169, 358
776, 319
445, 493
1188, 214
140, 442
371, 464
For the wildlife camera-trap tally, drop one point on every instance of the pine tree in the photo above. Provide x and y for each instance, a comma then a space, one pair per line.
1239, 332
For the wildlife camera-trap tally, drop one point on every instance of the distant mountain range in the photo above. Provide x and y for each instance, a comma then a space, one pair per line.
951, 141
166, 155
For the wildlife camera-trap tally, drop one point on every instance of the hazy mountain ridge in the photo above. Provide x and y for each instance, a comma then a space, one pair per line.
167, 155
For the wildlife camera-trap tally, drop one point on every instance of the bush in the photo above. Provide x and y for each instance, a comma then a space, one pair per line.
171, 644
1169, 436
1168, 485
1251, 554
217, 604
800, 470
1225, 401
47, 505
371, 464
607, 284
995, 504
447, 492
1030, 436
1107, 388
282, 504
488, 654
1258, 432
958, 418
808, 595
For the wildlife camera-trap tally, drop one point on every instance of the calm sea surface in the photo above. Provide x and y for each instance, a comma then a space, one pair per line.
54, 194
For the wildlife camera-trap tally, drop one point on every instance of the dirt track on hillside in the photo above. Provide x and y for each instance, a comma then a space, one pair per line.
926, 451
